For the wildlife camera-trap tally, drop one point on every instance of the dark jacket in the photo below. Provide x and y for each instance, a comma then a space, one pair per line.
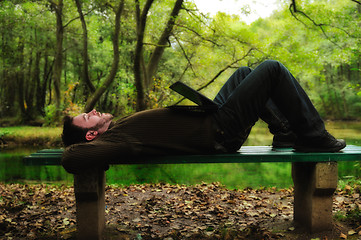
147, 133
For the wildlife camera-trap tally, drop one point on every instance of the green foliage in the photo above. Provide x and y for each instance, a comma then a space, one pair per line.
322, 50
4, 133
50, 114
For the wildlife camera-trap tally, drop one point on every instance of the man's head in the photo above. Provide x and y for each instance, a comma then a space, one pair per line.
85, 127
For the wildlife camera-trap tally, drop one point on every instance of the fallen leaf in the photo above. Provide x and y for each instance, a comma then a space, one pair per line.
343, 236
66, 221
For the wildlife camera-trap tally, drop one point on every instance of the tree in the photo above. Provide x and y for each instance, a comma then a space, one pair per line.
58, 63
340, 53
144, 72
85, 71
113, 71
122, 59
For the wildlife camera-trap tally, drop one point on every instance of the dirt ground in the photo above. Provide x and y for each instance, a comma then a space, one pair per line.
170, 212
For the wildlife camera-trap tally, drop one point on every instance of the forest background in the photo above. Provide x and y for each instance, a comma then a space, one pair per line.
69, 56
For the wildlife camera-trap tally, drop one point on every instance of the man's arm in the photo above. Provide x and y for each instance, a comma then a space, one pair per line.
95, 154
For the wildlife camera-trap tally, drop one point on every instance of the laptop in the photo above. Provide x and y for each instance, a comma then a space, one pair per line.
203, 102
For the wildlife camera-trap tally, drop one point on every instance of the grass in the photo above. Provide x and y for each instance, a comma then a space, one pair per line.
31, 136
232, 175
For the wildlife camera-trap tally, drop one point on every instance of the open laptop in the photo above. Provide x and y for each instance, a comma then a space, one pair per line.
202, 101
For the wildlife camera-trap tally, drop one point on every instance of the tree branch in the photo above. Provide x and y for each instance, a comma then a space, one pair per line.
78, 17
220, 72
320, 25
187, 58
199, 35
225, 68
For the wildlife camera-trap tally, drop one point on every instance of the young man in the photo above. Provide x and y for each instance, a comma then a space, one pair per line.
269, 92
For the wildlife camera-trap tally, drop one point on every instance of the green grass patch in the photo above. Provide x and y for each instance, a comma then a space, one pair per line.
231, 175
32, 136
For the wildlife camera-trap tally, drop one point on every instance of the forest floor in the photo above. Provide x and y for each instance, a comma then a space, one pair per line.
163, 211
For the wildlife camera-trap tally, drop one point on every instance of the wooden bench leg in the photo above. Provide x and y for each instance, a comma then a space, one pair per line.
314, 185
89, 188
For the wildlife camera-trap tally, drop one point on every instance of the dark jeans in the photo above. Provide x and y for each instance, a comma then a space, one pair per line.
269, 92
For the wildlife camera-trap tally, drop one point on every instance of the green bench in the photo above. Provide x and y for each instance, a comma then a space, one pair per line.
314, 176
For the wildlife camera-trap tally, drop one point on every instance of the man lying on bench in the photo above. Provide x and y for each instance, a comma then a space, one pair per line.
269, 92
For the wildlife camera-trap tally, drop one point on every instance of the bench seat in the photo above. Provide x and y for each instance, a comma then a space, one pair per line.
246, 154
314, 175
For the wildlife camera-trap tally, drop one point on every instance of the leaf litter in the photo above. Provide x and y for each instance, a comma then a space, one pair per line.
170, 212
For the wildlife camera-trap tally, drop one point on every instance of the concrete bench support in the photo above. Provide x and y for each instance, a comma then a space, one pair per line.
89, 188
314, 185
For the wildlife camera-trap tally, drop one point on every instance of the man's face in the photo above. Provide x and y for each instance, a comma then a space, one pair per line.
93, 120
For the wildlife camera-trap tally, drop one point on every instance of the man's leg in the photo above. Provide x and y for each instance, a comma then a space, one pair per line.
277, 123
271, 80
231, 84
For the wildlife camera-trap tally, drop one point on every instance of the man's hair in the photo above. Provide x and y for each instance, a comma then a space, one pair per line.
72, 134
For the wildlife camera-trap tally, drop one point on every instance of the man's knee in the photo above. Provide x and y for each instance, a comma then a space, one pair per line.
244, 70
271, 62
274, 64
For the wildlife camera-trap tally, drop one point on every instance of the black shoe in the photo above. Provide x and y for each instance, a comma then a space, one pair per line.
284, 140
324, 143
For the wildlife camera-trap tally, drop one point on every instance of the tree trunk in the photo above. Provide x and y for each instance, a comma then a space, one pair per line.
110, 78
29, 89
7, 85
20, 80
58, 64
85, 70
141, 19
144, 73
47, 73
36, 81
162, 43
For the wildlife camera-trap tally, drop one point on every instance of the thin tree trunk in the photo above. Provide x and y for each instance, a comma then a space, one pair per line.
110, 78
85, 70
143, 73
162, 43
20, 80
47, 73
36, 81
58, 64
141, 19
29, 89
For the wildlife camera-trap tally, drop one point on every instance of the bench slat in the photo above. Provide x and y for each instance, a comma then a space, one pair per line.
246, 154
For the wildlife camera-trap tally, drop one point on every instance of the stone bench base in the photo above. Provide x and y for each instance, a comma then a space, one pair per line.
314, 185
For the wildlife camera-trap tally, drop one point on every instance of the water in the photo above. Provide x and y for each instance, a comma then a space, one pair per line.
12, 169
233, 175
